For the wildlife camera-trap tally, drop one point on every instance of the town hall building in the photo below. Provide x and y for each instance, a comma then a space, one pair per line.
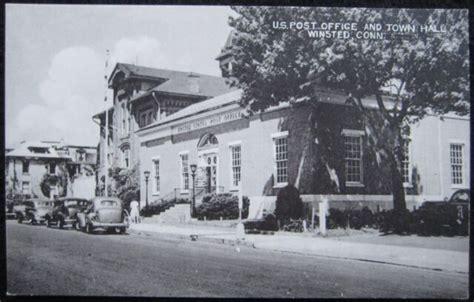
194, 134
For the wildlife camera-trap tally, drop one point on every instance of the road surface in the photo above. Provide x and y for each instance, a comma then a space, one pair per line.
46, 261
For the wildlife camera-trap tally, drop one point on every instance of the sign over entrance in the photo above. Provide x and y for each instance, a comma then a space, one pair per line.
210, 121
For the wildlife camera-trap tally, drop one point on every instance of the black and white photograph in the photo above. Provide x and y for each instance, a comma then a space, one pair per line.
201, 151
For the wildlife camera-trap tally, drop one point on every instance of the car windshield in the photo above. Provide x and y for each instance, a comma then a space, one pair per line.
43, 203
460, 197
109, 203
70, 203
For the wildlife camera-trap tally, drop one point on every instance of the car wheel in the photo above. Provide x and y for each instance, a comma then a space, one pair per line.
47, 223
88, 228
60, 223
122, 230
20, 219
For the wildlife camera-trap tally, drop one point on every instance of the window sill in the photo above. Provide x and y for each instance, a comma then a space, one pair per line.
407, 185
280, 185
184, 191
354, 184
155, 194
460, 186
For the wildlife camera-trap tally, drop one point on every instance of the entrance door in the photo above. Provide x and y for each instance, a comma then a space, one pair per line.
210, 162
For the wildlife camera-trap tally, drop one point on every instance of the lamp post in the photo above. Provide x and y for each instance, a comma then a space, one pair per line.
193, 174
147, 175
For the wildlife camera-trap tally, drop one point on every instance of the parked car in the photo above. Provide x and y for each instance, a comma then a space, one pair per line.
34, 210
105, 213
9, 209
450, 216
65, 212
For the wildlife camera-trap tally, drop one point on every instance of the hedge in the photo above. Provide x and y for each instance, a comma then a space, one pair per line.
225, 205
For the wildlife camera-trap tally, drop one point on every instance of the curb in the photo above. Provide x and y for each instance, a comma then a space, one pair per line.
202, 238
237, 242
366, 260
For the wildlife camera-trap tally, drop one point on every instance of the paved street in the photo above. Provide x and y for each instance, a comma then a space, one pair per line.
62, 262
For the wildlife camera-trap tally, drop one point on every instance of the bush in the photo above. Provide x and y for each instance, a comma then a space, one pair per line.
224, 205
157, 208
288, 205
337, 219
267, 223
351, 218
295, 225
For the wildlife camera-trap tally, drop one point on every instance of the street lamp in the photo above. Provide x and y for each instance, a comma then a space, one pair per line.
193, 174
147, 175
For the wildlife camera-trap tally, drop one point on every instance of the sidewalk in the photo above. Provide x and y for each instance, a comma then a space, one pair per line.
307, 244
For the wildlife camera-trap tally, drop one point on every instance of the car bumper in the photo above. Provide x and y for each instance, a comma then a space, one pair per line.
109, 225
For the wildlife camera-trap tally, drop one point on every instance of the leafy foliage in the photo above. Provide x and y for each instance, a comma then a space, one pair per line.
267, 223
157, 208
288, 205
407, 77
225, 205
125, 184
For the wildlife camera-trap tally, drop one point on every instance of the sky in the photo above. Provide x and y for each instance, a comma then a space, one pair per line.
55, 59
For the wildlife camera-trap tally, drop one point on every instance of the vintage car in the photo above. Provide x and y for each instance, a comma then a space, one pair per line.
105, 213
448, 216
10, 209
34, 210
65, 212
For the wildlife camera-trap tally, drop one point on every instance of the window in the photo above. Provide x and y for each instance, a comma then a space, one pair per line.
25, 187
146, 117
281, 157
52, 168
456, 155
26, 167
124, 120
406, 161
126, 158
235, 159
156, 173
184, 172
353, 158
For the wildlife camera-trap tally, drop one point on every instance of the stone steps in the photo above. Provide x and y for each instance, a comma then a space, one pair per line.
179, 213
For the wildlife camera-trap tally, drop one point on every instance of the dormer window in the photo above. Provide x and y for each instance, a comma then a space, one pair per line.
146, 117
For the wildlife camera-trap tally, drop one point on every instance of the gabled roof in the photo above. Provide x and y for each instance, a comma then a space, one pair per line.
25, 150
175, 82
228, 43
97, 115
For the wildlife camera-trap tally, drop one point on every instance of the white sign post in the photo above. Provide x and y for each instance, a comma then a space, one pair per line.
323, 208
240, 225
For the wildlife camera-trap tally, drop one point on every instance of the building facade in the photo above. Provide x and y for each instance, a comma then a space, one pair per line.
291, 145
27, 166
142, 96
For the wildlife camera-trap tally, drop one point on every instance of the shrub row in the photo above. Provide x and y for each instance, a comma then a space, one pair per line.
225, 205
157, 208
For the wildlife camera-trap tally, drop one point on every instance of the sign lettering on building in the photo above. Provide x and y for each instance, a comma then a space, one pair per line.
210, 121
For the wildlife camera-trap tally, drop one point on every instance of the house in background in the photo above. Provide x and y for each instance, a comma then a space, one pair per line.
27, 165
142, 96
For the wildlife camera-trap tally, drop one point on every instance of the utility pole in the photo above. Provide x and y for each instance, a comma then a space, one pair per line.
106, 160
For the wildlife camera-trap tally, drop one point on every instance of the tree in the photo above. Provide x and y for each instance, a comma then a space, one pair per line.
424, 72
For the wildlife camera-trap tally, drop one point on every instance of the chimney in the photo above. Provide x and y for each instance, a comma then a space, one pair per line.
193, 83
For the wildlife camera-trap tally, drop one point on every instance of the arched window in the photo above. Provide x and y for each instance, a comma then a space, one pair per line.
126, 157
207, 140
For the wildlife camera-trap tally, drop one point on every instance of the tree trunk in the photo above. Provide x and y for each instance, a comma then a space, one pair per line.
398, 192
